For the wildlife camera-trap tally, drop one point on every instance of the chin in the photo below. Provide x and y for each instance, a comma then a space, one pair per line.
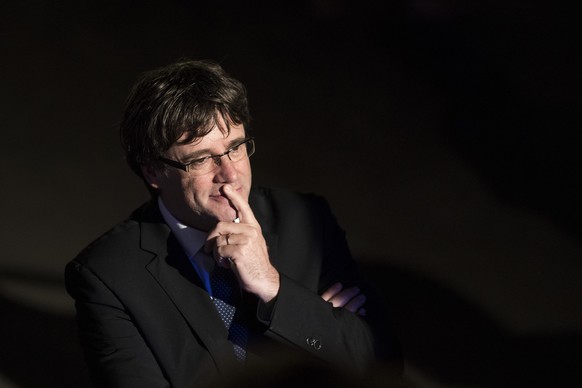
230, 216
225, 215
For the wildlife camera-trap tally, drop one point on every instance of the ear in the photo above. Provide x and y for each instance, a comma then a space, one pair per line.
152, 176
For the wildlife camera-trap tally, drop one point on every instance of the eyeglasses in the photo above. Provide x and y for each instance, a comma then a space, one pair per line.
207, 164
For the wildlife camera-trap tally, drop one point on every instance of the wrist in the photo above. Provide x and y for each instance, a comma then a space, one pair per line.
270, 287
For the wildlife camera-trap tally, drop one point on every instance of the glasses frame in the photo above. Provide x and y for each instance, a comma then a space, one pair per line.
216, 158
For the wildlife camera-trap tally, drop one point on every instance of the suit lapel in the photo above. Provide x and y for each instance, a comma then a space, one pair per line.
173, 271
175, 274
263, 213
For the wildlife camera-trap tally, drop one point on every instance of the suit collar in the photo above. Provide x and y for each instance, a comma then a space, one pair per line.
155, 232
262, 209
175, 274
179, 280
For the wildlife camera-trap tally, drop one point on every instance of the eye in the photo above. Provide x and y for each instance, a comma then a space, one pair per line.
197, 163
235, 149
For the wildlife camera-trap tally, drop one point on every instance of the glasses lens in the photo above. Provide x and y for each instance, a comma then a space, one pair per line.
201, 166
250, 147
206, 165
243, 150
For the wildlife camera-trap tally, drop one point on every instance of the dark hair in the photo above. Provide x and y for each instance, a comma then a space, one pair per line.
183, 98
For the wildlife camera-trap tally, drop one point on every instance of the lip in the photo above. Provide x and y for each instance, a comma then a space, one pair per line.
220, 197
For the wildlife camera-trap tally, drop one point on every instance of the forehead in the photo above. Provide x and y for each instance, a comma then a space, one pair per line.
217, 140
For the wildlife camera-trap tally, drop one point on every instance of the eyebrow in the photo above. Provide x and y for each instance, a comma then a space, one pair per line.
207, 152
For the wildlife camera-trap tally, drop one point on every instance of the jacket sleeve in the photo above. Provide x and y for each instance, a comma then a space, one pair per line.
302, 318
116, 352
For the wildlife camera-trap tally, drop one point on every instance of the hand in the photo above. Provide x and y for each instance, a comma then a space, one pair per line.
350, 298
244, 246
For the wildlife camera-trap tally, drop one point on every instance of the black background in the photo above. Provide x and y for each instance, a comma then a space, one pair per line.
445, 135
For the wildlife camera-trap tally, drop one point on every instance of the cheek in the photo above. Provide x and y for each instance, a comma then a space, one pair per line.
196, 189
244, 170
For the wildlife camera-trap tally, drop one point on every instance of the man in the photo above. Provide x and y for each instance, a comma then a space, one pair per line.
149, 293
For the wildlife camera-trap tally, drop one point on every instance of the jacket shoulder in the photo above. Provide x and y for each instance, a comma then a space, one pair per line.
274, 198
122, 243
111, 243
292, 213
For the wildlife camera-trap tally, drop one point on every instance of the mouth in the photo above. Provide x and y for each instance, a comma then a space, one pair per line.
218, 197
221, 197
224, 204
219, 194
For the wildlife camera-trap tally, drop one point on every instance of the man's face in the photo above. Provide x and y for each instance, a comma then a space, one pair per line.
197, 200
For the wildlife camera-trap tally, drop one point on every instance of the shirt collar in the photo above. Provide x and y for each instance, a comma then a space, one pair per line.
192, 240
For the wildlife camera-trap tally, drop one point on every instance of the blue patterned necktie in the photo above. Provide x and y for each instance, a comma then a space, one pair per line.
226, 296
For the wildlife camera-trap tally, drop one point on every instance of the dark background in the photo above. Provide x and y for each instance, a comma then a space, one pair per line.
445, 135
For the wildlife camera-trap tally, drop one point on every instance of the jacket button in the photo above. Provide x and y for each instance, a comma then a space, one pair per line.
314, 343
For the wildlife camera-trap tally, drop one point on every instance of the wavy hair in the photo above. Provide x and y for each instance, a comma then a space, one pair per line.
185, 98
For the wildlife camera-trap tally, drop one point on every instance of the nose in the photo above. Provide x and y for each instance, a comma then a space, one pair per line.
225, 169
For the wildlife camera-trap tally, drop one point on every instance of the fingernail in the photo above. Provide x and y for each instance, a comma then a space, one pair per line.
227, 188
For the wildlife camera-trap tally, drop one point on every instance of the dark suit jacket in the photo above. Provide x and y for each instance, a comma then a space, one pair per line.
146, 321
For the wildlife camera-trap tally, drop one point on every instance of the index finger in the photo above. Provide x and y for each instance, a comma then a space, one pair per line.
245, 214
